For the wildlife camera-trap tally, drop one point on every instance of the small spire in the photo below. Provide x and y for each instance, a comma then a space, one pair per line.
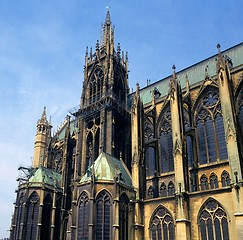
173, 71
97, 45
137, 88
118, 49
44, 114
108, 17
218, 46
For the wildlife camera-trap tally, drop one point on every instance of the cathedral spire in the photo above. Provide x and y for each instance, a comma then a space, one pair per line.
43, 134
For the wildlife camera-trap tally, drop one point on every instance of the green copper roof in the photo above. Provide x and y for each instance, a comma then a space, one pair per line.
109, 168
47, 176
194, 73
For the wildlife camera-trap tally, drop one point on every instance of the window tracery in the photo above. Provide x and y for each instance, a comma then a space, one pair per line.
163, 190
148, 130
166, 143
210, 129
150, 193
83, 217
213, 222
32, 216
162, 225
225, 179
171, 189
95, 85
103, 216
214, 181
123, 217
204, 182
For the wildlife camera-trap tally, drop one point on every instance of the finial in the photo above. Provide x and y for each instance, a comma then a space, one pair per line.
97, 45
218, 46
118, 49
173, 69
108, 18
137, 88
44, 113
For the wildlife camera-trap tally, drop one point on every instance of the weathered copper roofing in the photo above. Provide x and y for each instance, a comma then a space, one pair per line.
194, 73
109, 168
46, 176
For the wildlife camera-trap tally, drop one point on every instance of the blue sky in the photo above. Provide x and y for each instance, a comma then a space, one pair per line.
42, 47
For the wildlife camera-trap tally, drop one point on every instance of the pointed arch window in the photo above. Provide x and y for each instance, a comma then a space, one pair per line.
163, 190
46, 217
95, 85
57, 228
162, 225
150, 161
213, 222
171, 189
166, 144
19, 217
214, 181
103, 216
204, 182
33, 204
150, 193
83, 217
123, 217
225, 179
210, 129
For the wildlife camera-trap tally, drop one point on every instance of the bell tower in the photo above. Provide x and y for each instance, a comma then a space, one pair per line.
103, 116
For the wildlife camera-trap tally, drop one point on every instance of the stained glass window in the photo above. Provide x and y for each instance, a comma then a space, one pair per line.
210, 129
32, 216
166, 143
162, 225
123, 217
103, 216
150, 161
213, 221
225, 179
171, 189
214, 181
46, 217
204, 182
163, 190
83, 217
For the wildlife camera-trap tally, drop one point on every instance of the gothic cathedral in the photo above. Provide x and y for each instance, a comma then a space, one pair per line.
161, 163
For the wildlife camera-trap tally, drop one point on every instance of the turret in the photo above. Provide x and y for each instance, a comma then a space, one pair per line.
42, 137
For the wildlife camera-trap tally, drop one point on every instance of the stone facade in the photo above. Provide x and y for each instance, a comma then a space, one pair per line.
164, 162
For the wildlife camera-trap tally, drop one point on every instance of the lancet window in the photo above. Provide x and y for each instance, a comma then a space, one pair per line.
171, 189
150, 161
214, 181
239, 108
163, 190
46, 217
32, 216
19, 217
204, 182
210, 129
123, 216
213, 222
83, 217
162, 225
103, 216
95, 85
225, 179
166, 144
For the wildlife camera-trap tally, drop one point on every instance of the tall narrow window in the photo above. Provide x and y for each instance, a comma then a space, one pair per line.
213, 222
210, 129
162, 225
123, 217
163, 190
166, 144
150, 161
204, 182
46, 218
32, 216
103, 216
214, 181
171, 189
57, 219
19, 217
225, 179
83, 217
